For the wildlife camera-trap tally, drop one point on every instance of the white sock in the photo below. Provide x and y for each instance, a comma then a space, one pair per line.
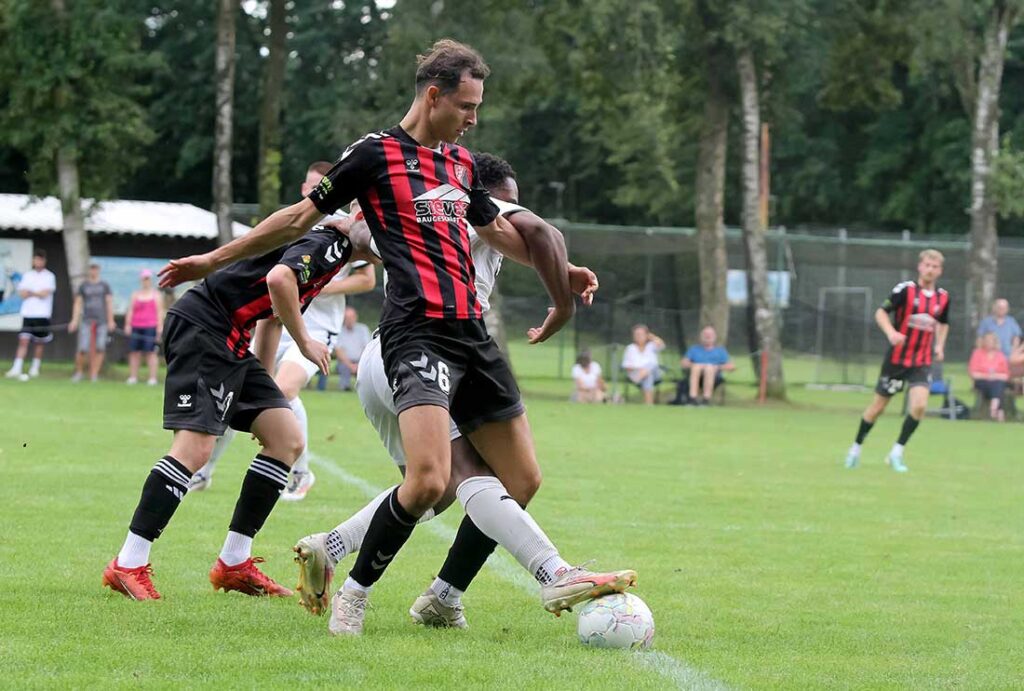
19, 364
552, 568
353, 584
237, 548
135, 552
897, 449
219, 447
505, 522
302, 463
35, 365
855, 448
348, 536
446, 592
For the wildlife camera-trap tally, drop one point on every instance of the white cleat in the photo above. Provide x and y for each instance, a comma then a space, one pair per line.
200, 482
853, 457
895, 461
13, 373
430, 611
578, 584
298, 485
348, 609
315, 572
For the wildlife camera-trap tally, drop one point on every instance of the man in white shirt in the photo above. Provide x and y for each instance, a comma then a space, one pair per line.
640, 360
352, 340
36, 289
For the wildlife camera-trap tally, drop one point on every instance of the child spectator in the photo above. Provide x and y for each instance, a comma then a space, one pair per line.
590, 387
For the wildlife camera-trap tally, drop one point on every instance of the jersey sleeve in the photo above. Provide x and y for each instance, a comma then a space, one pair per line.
897, 298
943, 317
352, 174
316, 254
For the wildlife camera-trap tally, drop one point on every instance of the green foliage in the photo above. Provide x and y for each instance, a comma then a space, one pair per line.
1008, 180
76, 82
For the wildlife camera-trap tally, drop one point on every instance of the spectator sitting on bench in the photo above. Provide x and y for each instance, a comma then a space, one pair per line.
706, 363
990, 371
640, 360
590, 387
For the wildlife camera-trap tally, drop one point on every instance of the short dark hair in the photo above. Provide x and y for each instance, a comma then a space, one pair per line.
319, 167
39, 253
445, 64
492, 170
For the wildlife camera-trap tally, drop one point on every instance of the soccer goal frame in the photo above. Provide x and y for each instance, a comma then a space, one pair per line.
823, 294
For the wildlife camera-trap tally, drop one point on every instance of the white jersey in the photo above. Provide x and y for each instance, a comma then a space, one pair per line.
372, 384
38, 281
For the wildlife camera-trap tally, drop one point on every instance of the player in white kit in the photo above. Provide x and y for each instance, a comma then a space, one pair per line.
472, 481
290, 369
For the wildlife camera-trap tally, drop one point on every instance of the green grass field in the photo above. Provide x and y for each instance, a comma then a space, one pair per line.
766, 564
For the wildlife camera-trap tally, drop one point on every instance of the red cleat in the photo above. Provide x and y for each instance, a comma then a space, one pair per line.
246, 578
135, 584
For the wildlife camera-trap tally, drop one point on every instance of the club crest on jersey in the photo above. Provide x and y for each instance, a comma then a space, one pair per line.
462, 174
304, 269
443, 204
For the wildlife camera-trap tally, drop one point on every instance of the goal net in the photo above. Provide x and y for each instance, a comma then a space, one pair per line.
844, 324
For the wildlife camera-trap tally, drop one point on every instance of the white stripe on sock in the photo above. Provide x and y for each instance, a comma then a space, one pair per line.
171, 473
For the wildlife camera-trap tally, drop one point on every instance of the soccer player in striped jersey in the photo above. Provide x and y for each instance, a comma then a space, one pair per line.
493, 504
915, 320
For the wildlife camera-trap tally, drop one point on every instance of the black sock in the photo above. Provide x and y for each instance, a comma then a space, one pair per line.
163, 490
862, 432
389, 529
260, 489
909, 425
467, 555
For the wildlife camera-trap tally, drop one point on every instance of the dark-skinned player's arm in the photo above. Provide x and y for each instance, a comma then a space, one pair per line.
279, 228
266, 341
284, 295
543, 248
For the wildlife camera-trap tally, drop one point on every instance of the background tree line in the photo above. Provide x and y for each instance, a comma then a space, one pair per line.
884, 114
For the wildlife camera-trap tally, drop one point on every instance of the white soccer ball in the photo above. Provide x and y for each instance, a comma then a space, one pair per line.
620, 620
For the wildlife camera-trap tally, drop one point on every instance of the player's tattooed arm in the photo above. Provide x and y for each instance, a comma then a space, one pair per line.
279, 228
266, 341
284, 295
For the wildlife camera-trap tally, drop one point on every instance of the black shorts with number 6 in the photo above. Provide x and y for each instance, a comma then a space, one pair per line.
207, 388
452, 363
894, 378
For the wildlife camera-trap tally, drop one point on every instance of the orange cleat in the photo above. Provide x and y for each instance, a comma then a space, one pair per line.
246, 578
134, 584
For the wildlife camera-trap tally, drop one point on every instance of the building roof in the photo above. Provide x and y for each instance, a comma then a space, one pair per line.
120, 216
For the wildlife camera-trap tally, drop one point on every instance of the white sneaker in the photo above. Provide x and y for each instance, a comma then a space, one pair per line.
315, 572
151, 382
33, 373
853, 457
76, 377
430, 611
13, 373
298, 485
131, 381
895, 461
348, 609
200, 482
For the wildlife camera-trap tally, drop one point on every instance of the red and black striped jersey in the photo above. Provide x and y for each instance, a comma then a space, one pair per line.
916, 312
229, 302
417, 203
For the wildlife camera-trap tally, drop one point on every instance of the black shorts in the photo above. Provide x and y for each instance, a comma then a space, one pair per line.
143, 340
207, 389
37, 329
894, 378
451, 363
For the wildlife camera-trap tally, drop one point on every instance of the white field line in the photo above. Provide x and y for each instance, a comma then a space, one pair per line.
681, 675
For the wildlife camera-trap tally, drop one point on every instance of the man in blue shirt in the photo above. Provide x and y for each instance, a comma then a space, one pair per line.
1002, 325
706, 363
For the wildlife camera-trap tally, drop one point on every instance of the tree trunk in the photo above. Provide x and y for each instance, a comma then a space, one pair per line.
982, 265
711, 250
76, 241
764, 320
225, 69
270, 112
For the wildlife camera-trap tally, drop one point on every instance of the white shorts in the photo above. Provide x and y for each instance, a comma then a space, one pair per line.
288, 351
375, 394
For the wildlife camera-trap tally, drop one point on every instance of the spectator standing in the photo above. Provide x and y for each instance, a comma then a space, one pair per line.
1005, 327
990, 370
36, 289
640, 360
92, 316
706, 363
352, 339
143, 323
590, 386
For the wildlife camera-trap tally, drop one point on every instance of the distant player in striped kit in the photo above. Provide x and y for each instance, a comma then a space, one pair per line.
915, 319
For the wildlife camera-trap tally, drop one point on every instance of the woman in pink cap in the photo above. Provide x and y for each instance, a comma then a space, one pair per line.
143, 322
